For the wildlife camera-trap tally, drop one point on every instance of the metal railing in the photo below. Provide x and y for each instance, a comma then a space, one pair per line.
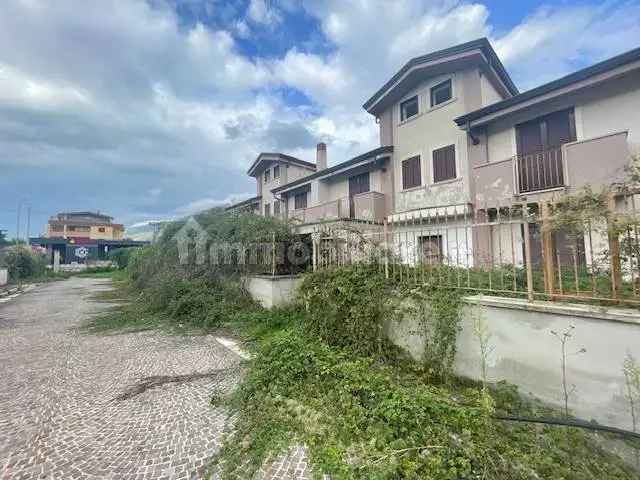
540, 170
511, 250
366, 206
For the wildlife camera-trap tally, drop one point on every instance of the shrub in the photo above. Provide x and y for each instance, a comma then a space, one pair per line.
121, 256
22, 263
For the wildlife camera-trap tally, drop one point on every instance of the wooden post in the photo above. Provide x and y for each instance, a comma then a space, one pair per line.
527, 253
614, 249
386, 250
548, 264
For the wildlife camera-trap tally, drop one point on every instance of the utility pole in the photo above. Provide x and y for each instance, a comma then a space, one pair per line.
18, 221
28, 223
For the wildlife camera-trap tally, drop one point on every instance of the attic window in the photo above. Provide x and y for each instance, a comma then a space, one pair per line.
441, 93
409, 108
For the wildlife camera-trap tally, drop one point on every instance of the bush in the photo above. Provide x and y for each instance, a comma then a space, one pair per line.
121, 256
22, 263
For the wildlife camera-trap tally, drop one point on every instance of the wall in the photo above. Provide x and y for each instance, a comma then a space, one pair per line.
431, 129
611, 108
272, 291
526, 354
288, 173
4, 276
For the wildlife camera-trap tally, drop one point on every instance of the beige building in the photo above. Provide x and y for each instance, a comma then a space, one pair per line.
84, 225
457, 137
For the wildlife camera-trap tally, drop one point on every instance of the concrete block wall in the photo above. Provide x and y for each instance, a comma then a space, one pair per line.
272, 291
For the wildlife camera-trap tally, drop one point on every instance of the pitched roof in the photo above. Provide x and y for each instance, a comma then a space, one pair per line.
243, 203
481, 44
580, 75
271, 157
328, 171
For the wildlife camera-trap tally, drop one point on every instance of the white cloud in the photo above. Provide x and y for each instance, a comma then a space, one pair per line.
154, 115
260, 11
202, 204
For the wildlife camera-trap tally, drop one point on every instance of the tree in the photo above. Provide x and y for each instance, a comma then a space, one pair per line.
3, 238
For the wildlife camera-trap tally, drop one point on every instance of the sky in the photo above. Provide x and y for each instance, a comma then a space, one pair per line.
154, 109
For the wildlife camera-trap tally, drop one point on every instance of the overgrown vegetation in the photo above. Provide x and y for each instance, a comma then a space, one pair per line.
324, 374
22, 263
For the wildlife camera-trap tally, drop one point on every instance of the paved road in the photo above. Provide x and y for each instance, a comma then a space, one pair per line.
83, 406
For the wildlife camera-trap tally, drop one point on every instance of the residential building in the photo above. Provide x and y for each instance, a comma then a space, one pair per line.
457, 138
92, 225
81, 237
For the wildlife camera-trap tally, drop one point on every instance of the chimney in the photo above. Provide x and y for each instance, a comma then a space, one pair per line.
321, 156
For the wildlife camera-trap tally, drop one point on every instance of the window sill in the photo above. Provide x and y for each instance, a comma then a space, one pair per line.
410, 119
443, 104
447, 182
412, 189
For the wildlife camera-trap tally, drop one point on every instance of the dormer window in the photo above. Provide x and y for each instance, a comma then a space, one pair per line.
267, 175
441, 93
409, 108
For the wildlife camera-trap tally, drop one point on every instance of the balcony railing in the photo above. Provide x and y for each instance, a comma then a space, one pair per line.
369, 206
540, 171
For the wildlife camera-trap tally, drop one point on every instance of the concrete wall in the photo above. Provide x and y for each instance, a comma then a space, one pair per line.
4, 276
526, 354
272, 291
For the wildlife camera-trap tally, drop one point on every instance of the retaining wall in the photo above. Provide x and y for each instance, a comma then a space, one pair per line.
525, 353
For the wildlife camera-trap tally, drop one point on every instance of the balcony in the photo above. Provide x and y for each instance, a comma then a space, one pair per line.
369, 206
540, 170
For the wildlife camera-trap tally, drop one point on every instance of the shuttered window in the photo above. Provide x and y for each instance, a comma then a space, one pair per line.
266, 176
300, 201
267, 210
276, 208
411, 174
276, 171
444, 164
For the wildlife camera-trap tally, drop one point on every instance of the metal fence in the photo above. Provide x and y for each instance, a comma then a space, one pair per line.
512, 250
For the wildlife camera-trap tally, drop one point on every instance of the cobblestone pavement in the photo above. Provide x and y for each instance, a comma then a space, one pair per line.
83, 406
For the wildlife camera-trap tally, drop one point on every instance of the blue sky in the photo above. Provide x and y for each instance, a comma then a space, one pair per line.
153, 109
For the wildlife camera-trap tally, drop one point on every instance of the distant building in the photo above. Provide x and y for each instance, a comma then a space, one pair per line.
82, 237
95, 226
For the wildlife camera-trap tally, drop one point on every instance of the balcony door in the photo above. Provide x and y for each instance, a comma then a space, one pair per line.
539, 161
357, 184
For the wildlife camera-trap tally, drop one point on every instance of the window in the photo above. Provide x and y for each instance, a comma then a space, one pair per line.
411, 174
441, 93
444, 164
266, 176
267, 210
276, 171
430, 249
276, 204
300, 200
101, 229
409, 108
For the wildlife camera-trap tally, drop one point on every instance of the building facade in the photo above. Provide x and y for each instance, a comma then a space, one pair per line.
458, 138
94, 226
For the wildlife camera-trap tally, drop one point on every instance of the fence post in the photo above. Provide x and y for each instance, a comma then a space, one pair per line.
386, 249
614, 248
527, 252
548, 265
273, 254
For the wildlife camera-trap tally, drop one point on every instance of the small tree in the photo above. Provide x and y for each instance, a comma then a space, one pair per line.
564, 338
